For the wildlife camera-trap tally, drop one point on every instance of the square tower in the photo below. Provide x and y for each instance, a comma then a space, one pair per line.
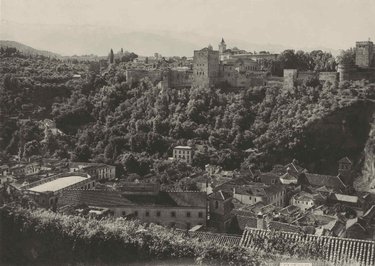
364, 54
205, 67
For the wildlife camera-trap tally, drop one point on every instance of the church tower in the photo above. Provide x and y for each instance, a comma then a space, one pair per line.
222, 46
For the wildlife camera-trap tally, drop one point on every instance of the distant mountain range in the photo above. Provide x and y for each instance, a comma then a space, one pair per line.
27, 50
87, 39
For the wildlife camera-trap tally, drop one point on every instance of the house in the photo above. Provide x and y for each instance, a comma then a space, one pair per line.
182, 210
247, 215
32, 168
328, 181
220, 207
255, 192
268, 178
183, 153
303, 200
98, 171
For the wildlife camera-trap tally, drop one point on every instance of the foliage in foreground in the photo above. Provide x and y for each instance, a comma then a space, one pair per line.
43, 235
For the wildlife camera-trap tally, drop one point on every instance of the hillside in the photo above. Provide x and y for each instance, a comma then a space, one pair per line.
136, 125
27, 50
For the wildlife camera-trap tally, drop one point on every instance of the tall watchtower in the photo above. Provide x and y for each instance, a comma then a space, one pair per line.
206, 66
222, 46
364, 54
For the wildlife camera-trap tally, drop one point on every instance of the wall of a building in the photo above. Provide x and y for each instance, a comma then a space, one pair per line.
135, 75
205, 67
364, 54
184, 155
180, 79
180, 220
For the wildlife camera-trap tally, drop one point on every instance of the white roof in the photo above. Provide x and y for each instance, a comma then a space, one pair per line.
58, 184
183, 147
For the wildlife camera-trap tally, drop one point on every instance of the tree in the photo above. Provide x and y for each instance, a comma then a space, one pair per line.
347, 57
111, 57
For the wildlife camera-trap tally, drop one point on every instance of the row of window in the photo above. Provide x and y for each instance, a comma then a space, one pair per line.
182, 152
158, 214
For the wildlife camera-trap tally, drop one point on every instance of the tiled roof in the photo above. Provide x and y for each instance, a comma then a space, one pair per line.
92, 198
221, 239
325, 180
337, 250
106, 198
370, 213
220, 195
267, 178
345, 198
246, 221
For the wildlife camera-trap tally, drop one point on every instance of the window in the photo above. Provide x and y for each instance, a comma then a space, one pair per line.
147, 213
158, 213
273, 181
188, 226
123, 213
255, 199
200, 214
135, 213
173, 214
216, 204
188, 214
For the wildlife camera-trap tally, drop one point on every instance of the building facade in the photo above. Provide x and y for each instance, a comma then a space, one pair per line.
183, 153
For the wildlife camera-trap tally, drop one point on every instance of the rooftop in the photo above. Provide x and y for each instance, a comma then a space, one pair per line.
58, 184
325, 180
183, 147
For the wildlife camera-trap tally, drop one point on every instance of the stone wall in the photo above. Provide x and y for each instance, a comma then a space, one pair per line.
180, 78
135, 75
332, 77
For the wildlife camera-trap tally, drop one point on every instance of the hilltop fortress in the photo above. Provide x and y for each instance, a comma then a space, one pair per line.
237, 68
233, 68
363, 68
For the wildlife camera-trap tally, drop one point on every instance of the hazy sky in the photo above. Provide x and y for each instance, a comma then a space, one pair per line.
90, 26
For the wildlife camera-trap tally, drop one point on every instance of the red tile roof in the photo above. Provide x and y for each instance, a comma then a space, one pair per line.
337, 250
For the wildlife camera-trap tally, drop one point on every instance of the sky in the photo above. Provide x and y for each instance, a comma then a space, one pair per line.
178, 26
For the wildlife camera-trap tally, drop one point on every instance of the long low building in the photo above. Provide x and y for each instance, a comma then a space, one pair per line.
174, 209
46, 192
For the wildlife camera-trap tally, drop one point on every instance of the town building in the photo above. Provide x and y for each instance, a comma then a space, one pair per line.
46, 192
97, 171
303, 200
220, 207
183, 153
258, 192
182, 210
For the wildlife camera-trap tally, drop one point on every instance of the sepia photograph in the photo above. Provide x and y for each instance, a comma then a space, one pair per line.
195, 132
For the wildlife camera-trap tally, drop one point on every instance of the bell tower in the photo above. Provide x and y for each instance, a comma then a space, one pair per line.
222, 46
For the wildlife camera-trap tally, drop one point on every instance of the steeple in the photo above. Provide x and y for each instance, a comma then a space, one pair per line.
222, 46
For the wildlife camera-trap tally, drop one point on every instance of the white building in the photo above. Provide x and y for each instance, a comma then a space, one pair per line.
183, 153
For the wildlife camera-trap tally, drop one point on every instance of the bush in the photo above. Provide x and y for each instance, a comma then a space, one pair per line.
42, 235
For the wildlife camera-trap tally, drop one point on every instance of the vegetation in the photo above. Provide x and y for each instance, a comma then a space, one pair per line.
135, 126
39, 236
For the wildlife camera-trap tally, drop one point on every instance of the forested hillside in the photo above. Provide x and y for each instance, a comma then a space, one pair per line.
105, 119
